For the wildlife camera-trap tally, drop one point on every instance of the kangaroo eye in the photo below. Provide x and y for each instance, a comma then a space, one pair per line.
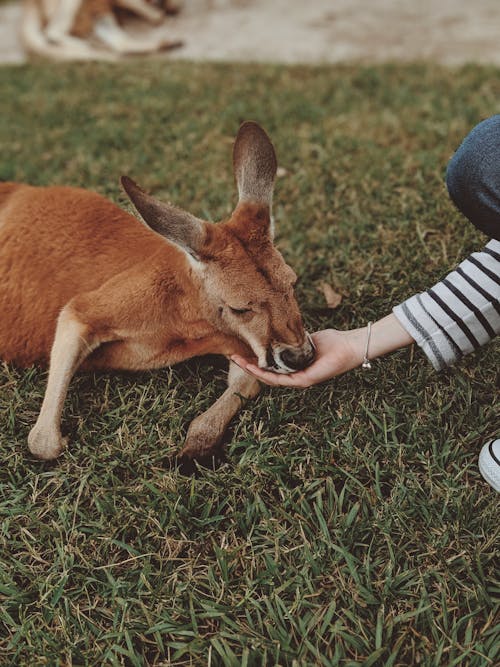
240, 311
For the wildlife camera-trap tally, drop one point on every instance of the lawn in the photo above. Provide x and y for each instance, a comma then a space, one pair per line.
349, 524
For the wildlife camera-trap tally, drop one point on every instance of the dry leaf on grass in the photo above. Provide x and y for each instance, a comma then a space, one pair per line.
333, 299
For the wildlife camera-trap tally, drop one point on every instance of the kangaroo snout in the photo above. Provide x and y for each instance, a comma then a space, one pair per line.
288, 359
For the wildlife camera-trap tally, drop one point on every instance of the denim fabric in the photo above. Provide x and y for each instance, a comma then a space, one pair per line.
473, 177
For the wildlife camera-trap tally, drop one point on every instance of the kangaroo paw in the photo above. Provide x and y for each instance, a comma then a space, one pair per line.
46, 444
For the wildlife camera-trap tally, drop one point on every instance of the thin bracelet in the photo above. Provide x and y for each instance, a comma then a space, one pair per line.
366, 365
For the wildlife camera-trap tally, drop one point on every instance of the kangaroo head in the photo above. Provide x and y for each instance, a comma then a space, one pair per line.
247, 287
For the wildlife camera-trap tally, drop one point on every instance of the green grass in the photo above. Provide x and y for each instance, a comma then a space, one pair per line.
349, 524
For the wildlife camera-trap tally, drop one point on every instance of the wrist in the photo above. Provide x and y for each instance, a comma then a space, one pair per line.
355, 341
387, 335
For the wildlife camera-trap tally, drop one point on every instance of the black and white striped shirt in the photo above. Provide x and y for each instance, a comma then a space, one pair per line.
460, 313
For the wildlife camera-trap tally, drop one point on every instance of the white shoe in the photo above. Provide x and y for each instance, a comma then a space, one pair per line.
489, 463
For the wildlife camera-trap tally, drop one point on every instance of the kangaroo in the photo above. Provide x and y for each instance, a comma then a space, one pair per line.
84, 284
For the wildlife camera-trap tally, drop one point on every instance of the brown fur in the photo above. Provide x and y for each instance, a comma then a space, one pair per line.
84, 283
88, 13
87, 29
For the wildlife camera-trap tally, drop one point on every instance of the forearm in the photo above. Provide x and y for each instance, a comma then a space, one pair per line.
387, 335
458, 314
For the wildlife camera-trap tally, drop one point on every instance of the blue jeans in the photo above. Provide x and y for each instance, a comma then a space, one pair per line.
473, 177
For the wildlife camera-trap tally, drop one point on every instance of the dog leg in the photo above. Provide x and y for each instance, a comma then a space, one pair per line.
74, 48
61, 44
109, 32
206, 431
143, 9
72, 343
61, 22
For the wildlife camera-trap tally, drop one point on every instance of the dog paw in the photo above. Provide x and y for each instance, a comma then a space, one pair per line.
46, 445
168, 45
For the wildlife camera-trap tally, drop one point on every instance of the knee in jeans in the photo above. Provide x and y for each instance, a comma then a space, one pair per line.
456, 176
473, 173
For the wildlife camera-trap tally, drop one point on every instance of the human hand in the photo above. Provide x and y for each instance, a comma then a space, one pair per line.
336, 353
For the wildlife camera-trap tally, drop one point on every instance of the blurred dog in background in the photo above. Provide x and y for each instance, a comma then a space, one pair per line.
90, 29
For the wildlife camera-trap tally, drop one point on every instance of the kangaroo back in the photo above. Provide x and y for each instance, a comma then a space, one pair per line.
55, 243
6, 189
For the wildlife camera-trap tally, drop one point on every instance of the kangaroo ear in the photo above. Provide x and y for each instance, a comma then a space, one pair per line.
254, 162
173, 223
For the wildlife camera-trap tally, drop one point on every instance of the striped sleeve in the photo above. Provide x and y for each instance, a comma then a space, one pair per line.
460, 313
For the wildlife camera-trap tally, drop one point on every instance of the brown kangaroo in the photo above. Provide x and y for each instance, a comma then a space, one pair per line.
85, 284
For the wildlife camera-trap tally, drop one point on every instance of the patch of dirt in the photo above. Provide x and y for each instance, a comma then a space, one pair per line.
451, 32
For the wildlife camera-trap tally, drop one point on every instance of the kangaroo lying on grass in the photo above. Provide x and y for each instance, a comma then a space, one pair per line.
85, 284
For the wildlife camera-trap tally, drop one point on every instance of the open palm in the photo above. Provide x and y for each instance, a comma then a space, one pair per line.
336, 353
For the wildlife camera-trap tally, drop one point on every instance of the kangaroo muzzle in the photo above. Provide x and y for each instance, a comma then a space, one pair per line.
288, 359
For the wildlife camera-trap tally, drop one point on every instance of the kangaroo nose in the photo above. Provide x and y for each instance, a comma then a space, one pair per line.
299, 358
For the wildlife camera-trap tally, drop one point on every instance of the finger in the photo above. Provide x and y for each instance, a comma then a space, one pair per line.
277, 379
250, 367
239, 360
269, 377
242, 363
